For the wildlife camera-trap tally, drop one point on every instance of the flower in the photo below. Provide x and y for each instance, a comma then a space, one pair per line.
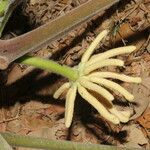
91, 80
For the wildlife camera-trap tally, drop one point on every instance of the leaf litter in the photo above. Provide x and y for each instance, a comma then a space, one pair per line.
40, 115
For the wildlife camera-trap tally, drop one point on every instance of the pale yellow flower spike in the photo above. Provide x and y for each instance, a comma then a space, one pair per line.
89, 80
61, 90
96, 104
111, 53
114, 75
122, 115
93, 45
107, 62
70, 99
100, 90
113, 86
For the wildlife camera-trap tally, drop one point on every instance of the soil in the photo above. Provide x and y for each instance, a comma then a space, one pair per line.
27, 105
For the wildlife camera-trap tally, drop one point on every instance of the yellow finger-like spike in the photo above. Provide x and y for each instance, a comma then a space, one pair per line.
94, 87
107, 62
118, 76
64, 87
92, 46
69, 106
111, 53
97, 105
120, 114
113, 85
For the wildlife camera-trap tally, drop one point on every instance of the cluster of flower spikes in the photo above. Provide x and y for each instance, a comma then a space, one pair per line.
91, 79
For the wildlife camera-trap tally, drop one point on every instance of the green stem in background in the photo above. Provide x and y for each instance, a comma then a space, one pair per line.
41, 143
6, 9
3, 6
50, 65
3, 144
4, 14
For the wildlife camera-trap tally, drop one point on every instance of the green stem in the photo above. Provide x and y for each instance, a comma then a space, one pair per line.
3, 6
6, 9
50, 65
41, 143
3, 144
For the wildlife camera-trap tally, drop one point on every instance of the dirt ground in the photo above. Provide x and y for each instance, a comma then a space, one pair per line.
27, 105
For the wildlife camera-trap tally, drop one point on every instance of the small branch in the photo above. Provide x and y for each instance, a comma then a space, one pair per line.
10, 119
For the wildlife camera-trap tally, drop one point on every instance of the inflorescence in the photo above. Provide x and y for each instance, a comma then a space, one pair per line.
91, 80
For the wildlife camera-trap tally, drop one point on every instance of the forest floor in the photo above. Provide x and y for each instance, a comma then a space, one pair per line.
28, 107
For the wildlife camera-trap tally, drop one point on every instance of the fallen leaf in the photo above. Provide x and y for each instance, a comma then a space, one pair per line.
57, 131
15, 126
35, 123
142, 97
136, 138
2, 127
144, 120
81, 133
34, 105
124, 32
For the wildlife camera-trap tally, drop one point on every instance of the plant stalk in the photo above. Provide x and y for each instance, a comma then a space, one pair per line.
6, 9
3, 144
41, 143
50, 65
3, 6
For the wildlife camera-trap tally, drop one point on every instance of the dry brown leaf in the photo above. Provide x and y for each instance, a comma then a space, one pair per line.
15, 126
35, 123
34, 105
136, 138
144, 120
2, 127
64, 1
80, 133
142, 97
57, 131
124, 32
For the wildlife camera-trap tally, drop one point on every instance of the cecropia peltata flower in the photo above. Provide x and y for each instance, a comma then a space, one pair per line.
90, 78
